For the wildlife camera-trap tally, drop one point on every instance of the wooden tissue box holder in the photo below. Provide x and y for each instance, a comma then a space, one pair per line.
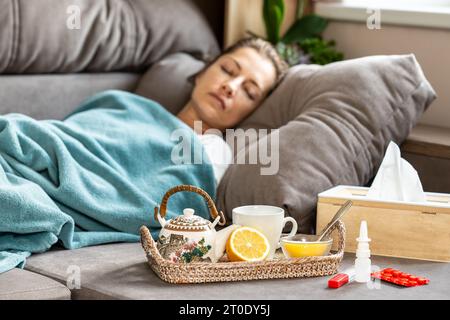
396, 228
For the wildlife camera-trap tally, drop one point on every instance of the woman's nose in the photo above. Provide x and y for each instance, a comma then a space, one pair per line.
230, 87
227, 90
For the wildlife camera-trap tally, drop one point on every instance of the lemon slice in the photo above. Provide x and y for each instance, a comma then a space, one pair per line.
247, 244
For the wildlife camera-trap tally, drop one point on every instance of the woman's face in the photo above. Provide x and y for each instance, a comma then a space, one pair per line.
232, 87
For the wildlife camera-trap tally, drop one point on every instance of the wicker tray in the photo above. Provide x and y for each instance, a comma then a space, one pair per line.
224, 271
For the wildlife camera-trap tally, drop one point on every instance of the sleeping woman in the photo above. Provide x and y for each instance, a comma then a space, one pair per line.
228, 90
96, 176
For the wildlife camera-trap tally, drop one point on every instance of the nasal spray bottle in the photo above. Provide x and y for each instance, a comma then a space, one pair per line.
362, 261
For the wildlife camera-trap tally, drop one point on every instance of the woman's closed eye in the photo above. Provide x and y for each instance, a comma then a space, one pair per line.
249, 94
250, 91
227, 70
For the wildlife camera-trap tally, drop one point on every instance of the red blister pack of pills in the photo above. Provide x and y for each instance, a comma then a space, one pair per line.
400, 278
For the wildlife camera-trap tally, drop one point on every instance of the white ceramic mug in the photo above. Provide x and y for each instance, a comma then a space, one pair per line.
269, 220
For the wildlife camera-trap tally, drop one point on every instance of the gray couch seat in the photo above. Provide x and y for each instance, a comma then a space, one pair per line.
18, 284
120, 271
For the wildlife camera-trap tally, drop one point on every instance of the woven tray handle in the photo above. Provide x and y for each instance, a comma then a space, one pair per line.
184, 187
340, 226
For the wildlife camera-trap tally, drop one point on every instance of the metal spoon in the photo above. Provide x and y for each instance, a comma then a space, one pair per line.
336, 217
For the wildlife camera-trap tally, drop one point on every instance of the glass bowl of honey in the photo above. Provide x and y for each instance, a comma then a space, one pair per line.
305, 245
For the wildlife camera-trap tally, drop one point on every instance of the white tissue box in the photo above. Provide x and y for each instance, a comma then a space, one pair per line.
397, 228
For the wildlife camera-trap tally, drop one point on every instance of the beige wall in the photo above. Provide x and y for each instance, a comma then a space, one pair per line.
430, 46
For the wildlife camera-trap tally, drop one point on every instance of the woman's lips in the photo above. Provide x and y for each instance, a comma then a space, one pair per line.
219, 99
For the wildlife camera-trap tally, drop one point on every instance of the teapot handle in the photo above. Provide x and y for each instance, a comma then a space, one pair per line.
184, 187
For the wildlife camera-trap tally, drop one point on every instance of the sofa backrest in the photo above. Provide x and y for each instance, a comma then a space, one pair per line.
56, 36
50, 61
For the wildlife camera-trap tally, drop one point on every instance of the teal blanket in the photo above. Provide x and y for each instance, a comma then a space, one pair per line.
95, 177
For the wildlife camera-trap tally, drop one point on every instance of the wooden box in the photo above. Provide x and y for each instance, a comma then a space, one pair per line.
396, 228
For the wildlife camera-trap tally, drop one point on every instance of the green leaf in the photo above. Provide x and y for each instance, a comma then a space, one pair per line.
309, 26
197, 252
321, 51
273, 14
300, 8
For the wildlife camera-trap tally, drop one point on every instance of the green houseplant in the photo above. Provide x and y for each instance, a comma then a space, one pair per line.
303, 42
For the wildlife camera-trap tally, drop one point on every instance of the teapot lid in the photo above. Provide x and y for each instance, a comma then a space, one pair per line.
188, 222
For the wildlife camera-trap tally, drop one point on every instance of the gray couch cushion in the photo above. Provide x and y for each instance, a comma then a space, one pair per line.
167, 81
120, 271
54, 96
18, 284
113, 35
111, 271
335, 122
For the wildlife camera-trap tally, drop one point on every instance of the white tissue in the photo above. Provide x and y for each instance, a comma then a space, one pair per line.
396, 179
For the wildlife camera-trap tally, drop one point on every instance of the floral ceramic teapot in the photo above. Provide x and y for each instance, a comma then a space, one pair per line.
188, 237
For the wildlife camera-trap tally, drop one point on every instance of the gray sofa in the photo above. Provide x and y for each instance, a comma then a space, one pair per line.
49, 65
43, 79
